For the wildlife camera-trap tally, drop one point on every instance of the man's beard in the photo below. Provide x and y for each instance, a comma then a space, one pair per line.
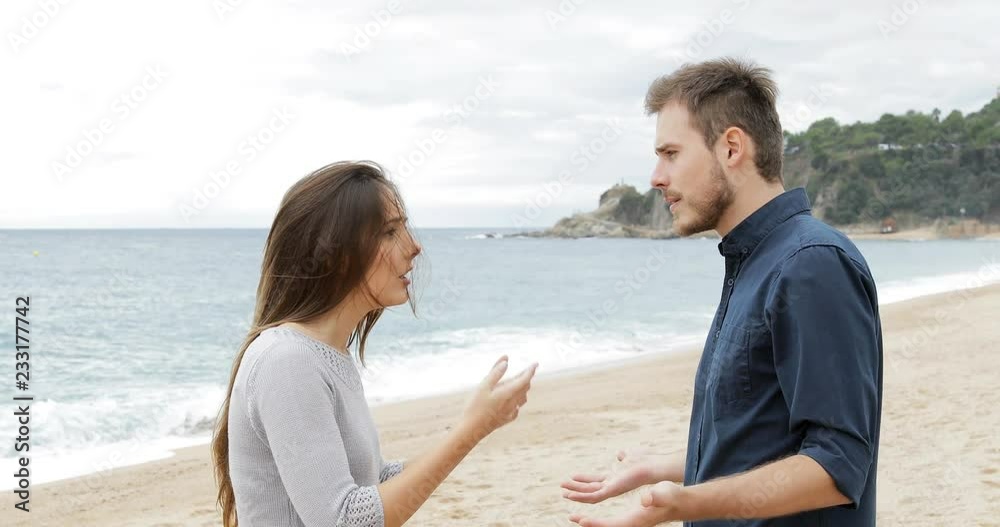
705, 212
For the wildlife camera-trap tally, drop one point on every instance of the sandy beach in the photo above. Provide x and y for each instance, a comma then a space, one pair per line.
939, 463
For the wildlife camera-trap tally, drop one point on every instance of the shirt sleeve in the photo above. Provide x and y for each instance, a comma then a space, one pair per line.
389, 470
292, 410
822, 311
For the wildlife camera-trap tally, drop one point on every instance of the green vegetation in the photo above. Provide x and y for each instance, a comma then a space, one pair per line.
916, 167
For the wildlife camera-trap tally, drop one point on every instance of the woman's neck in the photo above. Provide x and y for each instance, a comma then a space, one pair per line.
335, 326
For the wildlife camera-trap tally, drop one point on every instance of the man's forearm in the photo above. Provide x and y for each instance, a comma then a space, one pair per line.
794, 484
668, 467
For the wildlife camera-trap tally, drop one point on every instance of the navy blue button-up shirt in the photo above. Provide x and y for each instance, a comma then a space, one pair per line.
792, 364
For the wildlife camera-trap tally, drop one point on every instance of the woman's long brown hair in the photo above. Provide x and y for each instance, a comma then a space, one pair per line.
324, 238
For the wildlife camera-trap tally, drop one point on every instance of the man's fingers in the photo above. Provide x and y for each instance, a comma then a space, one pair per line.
588, 522
581, 486
658, 495
640, 518
589, 478
584, 497
646, 499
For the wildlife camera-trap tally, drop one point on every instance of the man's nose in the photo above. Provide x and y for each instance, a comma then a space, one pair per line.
659, 177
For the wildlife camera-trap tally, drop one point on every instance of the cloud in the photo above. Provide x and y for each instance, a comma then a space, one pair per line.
392, 81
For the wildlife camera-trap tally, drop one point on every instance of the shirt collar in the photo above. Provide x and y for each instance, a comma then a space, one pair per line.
745, 236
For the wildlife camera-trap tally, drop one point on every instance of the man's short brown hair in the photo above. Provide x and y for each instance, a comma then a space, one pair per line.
727, 92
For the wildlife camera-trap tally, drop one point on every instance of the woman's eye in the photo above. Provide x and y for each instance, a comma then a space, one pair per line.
390, 232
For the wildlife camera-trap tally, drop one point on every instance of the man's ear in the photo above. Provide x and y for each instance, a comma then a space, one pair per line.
735, 142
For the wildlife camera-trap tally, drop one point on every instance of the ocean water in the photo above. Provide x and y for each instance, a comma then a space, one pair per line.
134, 331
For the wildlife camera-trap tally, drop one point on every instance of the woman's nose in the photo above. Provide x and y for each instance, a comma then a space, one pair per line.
413, 241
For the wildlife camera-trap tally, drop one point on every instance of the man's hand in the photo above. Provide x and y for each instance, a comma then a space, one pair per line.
660, 504
635, 471
805, 485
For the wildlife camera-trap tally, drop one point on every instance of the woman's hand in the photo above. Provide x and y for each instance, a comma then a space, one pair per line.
492, 405
496, 403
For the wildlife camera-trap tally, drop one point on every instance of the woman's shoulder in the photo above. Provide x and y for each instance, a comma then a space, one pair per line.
285, 355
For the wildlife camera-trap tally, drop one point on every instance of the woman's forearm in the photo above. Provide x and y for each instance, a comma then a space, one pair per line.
405, 493
493, 404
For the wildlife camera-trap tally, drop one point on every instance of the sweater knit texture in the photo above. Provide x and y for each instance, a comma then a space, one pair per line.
303, 448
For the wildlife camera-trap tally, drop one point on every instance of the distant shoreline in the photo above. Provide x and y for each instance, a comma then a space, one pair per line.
969, 230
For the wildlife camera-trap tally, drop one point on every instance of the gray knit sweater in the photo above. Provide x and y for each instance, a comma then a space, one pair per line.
303, 449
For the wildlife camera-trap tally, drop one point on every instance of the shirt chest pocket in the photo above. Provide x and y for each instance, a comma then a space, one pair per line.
729, 373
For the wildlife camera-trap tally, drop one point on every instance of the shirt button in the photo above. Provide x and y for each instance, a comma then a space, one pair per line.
730, 282
745, 250
717, 333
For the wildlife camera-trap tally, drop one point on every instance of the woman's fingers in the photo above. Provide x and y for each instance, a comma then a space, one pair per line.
495, 374
518, 385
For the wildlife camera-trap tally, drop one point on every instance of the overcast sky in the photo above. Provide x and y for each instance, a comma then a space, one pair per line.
118, 113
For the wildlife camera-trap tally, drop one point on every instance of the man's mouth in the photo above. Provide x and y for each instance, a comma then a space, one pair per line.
672, 202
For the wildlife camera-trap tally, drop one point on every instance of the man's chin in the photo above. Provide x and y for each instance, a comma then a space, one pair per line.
689, 229
682, 229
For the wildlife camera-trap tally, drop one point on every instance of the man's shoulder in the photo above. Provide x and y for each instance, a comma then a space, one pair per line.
805, 231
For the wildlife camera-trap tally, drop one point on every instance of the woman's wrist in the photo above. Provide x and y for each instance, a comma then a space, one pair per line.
470, 431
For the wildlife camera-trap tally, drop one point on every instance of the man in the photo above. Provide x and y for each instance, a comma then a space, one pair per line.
788, 395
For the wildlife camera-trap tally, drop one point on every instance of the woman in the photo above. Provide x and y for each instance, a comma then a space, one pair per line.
295, 442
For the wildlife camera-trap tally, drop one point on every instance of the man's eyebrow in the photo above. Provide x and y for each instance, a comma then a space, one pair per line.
663, 147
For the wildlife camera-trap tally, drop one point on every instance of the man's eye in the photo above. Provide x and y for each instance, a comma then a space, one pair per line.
671, 154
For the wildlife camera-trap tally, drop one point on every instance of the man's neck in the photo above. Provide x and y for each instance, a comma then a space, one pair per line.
747, 201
